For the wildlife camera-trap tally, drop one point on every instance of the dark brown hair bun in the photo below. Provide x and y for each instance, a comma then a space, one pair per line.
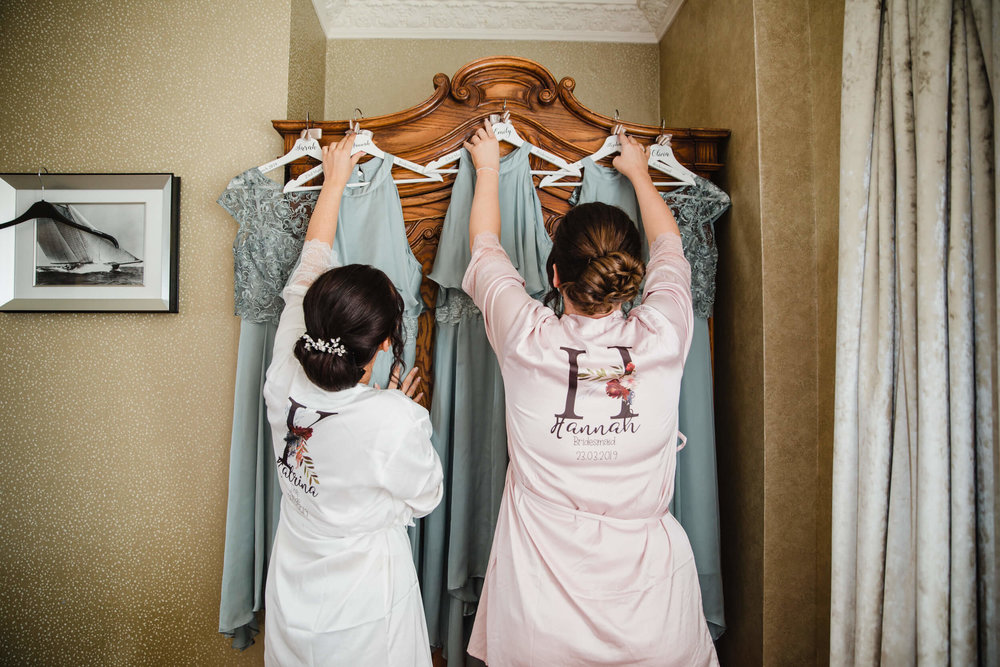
597, 250
358, 305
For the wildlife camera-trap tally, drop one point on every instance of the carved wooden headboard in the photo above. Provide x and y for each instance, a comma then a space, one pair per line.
545, 113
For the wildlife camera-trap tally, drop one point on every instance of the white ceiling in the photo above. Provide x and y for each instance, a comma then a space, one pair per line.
642, 21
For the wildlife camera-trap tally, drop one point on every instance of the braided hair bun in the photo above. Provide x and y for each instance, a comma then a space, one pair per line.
597, 250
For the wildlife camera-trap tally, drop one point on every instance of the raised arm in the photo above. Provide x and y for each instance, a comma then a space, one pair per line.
633, 163
668, 275
490, 279
337, 165
485, 213
316, 255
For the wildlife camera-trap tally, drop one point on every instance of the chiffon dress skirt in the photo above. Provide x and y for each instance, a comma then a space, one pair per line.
468, 406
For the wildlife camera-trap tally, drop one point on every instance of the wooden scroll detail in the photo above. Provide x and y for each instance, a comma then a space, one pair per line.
516, 81
545, 113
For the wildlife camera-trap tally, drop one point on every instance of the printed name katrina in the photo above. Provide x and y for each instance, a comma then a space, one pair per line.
573, 428
295, 479
593, 442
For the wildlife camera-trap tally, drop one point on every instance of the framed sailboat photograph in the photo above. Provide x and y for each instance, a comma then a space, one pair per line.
89, 242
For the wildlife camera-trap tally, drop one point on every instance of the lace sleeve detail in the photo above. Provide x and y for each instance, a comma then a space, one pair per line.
696, 209
317, 258
268, 242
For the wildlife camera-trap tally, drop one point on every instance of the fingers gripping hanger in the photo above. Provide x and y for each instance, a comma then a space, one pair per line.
306, 145
363, 143
661, 157
612, 144
44, 209
505, 131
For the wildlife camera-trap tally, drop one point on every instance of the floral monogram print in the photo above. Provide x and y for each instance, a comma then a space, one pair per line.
621, 381
296, 440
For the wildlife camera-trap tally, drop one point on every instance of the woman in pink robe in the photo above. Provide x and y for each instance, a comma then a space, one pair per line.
588, 567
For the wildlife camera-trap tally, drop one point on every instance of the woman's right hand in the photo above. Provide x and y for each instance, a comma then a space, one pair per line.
632, 161
338, 161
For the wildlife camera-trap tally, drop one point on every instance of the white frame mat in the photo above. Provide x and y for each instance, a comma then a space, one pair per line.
159, 195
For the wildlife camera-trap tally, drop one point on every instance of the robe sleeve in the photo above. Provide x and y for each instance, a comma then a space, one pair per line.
412, 472
668, 286
316, 259
498, 291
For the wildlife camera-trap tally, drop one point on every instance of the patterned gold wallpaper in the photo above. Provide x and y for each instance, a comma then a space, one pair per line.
115, 427
306, 63
371, 74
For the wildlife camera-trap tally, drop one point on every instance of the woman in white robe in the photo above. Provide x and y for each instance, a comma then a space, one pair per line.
355, 463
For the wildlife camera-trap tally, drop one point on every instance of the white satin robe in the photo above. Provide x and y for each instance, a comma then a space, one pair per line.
355, 467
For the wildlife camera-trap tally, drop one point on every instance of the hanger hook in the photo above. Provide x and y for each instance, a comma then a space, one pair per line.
307, 120
40, 181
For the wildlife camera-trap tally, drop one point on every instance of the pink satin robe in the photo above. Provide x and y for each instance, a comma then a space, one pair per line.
587, 566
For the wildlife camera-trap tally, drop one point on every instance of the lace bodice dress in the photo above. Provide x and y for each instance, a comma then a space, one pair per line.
268, 244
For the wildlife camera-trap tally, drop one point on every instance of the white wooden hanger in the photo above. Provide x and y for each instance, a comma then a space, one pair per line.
661, 158
504, 131
306, 145
364, 143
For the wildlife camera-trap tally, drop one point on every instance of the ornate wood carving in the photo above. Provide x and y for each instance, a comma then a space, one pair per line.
545, 113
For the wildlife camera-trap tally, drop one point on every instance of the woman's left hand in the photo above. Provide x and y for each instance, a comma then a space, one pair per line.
409, 385
338, 161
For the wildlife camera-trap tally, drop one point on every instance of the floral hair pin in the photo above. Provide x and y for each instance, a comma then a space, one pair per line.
332, 346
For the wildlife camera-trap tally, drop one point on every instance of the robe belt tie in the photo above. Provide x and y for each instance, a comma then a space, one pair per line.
521, 491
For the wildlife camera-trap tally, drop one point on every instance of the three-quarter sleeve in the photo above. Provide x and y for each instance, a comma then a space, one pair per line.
668, 285
412, 472
498, 291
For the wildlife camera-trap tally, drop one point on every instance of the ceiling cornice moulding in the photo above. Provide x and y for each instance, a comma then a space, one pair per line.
635, 21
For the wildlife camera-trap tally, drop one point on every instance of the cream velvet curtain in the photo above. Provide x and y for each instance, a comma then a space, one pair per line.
915, 521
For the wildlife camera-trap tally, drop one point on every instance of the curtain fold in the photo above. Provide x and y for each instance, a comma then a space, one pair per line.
914, 563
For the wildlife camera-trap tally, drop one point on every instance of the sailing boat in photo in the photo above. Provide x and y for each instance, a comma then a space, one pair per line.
74, 256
